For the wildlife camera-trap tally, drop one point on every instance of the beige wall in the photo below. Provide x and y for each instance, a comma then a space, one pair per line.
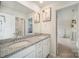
50, 27
10, 15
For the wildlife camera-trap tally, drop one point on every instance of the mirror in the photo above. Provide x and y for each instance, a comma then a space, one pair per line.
16, 16
19, 26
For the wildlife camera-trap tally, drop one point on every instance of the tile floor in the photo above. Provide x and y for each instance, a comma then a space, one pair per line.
64, 52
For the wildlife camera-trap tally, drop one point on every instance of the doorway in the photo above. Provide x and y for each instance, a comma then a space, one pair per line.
67, 32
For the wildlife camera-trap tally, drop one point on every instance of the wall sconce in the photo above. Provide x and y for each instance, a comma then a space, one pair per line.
41, 2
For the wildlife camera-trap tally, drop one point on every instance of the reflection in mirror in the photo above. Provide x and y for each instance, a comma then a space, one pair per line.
19, 26
16, 16
30, 25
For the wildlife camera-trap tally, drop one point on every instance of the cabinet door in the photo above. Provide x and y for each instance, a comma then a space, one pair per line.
30, 55
39, 50
24, 52
39, 54
46, 48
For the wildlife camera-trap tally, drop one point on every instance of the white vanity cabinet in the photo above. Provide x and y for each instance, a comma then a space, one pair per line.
46, 47
30, 55
26, 53
37, 50
42, 48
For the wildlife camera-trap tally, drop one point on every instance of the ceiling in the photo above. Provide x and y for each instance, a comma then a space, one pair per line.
14, 5
45, 3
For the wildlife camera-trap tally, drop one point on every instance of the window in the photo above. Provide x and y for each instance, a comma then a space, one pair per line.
30, 25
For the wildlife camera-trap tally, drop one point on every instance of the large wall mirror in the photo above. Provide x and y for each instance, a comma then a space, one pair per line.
13, 20
2, 20
19, 26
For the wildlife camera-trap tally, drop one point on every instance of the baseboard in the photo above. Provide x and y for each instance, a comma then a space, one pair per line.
52, 54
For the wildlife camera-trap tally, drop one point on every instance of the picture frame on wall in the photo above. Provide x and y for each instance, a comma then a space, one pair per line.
2, 20
46, 14
37, 18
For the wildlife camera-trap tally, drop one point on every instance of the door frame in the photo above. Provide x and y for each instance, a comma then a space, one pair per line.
57, 24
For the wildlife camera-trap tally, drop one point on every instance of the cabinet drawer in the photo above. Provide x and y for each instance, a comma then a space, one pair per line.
30, 55
22, 53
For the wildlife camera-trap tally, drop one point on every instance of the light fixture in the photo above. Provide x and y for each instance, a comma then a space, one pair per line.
41, 2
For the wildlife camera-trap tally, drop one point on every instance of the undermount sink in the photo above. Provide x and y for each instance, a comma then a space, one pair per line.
19, 44
41, 37
13, 47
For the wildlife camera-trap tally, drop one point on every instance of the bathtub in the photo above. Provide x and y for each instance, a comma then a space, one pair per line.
65, 41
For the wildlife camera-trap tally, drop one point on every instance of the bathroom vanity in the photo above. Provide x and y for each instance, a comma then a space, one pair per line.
34, 46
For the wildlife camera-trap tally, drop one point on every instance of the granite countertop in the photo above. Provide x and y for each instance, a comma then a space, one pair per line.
11, 46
